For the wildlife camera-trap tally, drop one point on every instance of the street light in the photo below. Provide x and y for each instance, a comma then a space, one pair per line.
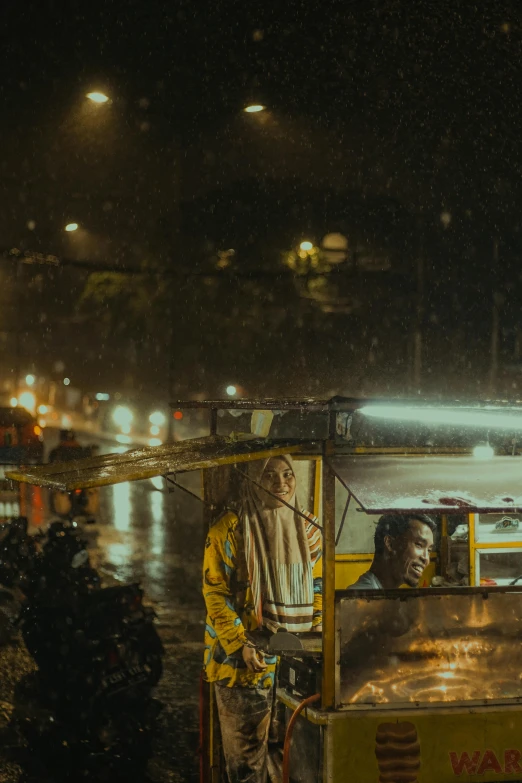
306, 246
72, 227
97, 97
254, 108
30, 379
231, 390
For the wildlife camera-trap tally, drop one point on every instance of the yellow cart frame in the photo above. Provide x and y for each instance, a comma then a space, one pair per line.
458, 740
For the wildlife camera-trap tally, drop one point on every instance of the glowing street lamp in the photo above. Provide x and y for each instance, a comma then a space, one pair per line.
72, 227
30, 379
254, 108
306, 246
97, 97
231, 390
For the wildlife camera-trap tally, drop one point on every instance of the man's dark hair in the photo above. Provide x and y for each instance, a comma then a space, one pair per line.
396, 525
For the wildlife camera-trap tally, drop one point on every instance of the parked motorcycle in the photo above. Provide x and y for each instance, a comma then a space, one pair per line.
63, 568
91, 644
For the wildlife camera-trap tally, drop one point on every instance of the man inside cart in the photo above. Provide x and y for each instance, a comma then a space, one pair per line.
403, 543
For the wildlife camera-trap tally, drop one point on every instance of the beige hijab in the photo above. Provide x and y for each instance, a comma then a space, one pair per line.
280, 551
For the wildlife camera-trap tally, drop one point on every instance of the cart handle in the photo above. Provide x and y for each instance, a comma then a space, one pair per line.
290, 731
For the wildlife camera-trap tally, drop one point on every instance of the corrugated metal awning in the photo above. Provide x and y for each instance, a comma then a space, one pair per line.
149, 462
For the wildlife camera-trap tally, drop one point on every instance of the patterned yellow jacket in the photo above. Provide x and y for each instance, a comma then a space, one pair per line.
230, 606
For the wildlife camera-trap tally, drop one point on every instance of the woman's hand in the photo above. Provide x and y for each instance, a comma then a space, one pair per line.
253, 659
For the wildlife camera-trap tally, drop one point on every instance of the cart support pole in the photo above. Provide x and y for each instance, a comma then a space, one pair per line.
328, 683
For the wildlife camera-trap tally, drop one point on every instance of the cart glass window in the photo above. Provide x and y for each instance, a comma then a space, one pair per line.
354, 529
447, 484
498, 566
498, 528
279, 424
424, 646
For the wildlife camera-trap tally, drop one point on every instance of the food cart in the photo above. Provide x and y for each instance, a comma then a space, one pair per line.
403, 685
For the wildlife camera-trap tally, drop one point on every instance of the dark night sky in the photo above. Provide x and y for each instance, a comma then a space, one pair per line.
418, 103
426, 67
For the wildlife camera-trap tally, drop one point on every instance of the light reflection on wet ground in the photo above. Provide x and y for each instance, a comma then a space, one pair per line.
143, 534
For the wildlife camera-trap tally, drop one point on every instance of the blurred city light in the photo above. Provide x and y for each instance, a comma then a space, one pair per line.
102, 396
13, 402
123, 438
254, 108
43, 409
154, 430
27, 400
178, 415
30, 379
155, 442
231, 391
71, 227
66, 381
157, 418
306, 245
97, 97
122, 416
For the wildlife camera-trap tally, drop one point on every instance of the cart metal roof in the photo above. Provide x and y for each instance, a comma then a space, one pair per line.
148, 462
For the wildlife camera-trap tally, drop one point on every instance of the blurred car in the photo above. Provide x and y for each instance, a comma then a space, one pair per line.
136, 421
20, 429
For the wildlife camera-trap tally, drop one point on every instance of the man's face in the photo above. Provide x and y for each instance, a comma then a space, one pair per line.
411, 553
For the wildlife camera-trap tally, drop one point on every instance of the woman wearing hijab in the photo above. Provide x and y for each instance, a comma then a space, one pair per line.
262, 569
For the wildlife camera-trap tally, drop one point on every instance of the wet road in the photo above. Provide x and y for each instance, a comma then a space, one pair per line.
147, 535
